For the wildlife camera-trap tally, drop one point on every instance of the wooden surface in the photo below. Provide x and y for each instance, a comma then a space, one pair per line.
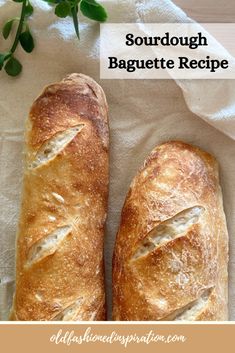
209, 10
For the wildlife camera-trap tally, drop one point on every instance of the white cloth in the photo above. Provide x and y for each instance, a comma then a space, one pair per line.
143, 113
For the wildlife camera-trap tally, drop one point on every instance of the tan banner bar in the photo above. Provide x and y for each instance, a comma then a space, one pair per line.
39, 338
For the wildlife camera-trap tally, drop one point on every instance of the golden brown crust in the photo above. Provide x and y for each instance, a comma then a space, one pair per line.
175, 201
59, 271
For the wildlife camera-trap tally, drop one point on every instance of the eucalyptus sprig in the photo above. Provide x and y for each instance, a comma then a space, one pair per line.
23, 36
63, 8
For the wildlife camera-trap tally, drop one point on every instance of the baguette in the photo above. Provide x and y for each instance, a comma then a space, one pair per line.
171, 252
59, 266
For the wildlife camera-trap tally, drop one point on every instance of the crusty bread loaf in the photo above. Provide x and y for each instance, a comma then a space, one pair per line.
171, 253
59, 269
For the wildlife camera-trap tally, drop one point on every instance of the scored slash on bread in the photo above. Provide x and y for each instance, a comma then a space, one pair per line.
171, 252
51, 148
168, 230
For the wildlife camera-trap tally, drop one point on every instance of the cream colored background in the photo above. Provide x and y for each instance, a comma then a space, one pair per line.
142, 114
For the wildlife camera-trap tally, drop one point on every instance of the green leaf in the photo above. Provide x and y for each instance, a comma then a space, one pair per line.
63, 9
7, 28
26, 41
3, 57
28, 10
13, 67
92, 2
93, 10
53, 1
18, 0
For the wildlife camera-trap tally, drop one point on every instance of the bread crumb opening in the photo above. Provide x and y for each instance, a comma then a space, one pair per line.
169, 230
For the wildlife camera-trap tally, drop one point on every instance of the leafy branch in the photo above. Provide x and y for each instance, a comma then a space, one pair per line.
63, 8
23, 36
89, 8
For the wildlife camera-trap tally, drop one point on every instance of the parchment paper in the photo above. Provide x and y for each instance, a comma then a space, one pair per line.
143, 113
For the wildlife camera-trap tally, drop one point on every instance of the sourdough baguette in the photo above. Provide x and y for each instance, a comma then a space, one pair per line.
171, 252
59, 267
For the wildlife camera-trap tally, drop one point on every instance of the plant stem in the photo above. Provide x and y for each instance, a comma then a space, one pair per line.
75, 19
20, 26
